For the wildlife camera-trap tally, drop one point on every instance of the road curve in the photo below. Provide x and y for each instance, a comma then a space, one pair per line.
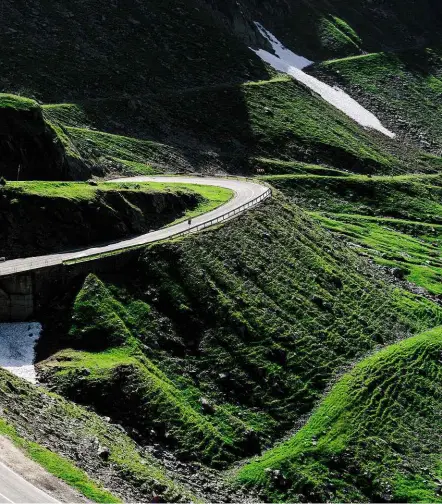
246, 193
15, 489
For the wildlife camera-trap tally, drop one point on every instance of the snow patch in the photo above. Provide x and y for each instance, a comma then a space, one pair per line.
282, 52
17, 343
290, 63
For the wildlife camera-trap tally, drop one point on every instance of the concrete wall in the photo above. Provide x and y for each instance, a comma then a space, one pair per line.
16, 298
24, 296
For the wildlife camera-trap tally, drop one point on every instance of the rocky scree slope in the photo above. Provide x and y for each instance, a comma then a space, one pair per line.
76, 444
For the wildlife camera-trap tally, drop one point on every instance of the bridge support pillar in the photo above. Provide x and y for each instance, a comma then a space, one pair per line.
16, 298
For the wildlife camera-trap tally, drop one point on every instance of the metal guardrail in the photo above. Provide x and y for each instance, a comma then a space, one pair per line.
42, 263
226, 216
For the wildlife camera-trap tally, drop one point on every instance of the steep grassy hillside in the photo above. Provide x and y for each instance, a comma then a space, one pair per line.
213, 348
228, 126
107, 153
394, 220
324, 29
172, 75
404, 88
375, 436
219, 343
281, 119
38, 218
99, 49
232, 126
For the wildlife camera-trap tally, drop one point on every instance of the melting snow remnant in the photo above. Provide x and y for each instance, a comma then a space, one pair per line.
290, 63
17, 342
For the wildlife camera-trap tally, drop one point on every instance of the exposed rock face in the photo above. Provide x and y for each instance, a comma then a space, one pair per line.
31, 149
36, 225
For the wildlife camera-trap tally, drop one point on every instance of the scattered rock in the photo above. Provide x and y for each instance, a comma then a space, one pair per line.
104, 453
207, 406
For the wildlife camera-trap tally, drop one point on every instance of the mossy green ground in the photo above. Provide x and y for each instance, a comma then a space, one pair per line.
375, 436
245, 124
37, 218
258, 317
404, 87
84, 190
394, 220
17, 102
211, 196
255, 317
257, 119
235, 119
116, 153
121, 370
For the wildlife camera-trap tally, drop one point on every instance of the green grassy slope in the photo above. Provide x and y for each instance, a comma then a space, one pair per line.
404, 88
228, 336
180, 92
220, 344
375, 436
185, 44
394, 220
107, 152
112, 59
408, 197
230, 126
32, 147
279, 118
122, 372
325, 29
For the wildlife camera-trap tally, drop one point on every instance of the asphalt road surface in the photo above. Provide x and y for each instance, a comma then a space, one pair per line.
13, 488
245, 192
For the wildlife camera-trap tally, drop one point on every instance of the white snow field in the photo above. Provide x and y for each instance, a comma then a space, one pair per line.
17, 342
290, 63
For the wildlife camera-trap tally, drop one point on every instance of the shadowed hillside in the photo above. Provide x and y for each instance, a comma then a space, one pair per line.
270, 358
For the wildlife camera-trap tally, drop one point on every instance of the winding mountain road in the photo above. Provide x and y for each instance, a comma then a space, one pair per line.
246, 195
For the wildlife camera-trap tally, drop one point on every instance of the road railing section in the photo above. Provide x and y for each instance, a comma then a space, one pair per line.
42, 263
226, 216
